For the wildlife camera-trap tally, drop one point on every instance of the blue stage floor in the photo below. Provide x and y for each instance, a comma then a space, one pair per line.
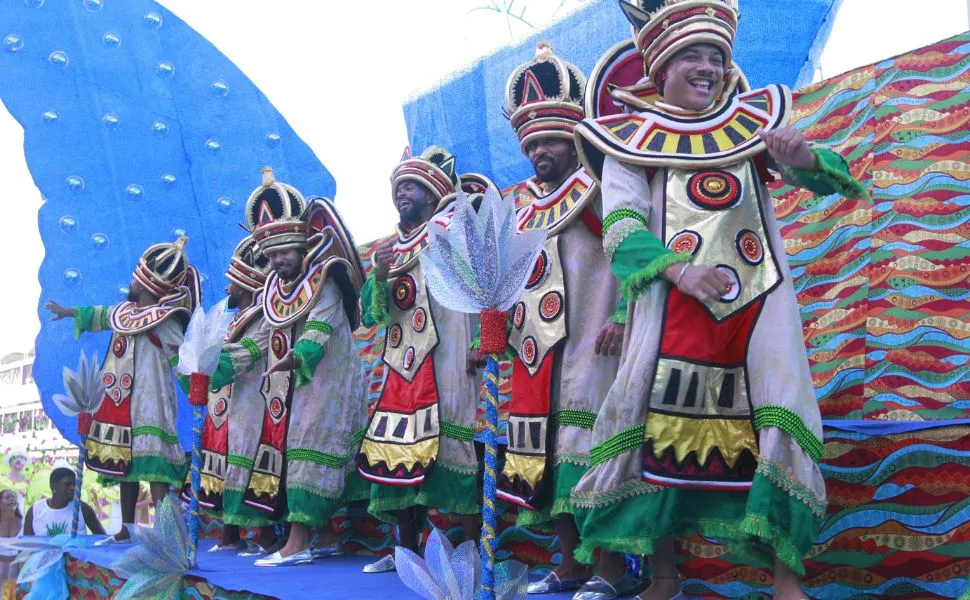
329, 579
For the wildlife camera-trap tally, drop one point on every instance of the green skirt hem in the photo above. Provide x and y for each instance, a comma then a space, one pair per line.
565, 477
760, 526
443, 489
149, 469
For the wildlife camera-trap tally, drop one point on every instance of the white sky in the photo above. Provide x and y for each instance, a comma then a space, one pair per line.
406, 47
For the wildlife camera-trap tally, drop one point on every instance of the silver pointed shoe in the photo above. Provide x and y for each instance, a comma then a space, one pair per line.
303, 557
551, 584
237, 546
598, 588
112, 540
253, 549
384, 565
331, 551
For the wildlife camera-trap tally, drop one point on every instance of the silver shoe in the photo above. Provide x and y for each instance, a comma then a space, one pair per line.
113, 540
236, 546
331, 551
598, 588
551, 584
384, 565
257, 550
303, 557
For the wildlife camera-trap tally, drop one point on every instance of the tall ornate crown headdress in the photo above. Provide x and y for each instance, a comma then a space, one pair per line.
434, 169
661, 28
544, 97
163, 268
273, 215
248, 266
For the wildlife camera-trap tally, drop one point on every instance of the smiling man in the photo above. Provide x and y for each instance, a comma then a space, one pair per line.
419, 449
313, 391
712, 425
567, 327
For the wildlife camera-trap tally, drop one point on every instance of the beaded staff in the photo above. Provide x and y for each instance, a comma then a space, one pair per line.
85, 391
479, 264
198, 359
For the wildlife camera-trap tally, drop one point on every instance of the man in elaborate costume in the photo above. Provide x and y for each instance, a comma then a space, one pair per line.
313, 391
566, 328
230, 436
419, 448
712, 425
133, 435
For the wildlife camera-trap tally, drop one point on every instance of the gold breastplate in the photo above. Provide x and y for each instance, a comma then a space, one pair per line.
539, 317
717, 215
411, 336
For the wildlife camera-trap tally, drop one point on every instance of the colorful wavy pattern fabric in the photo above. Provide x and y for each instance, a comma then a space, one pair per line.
898, 524
883, 283
88, 581
883, 288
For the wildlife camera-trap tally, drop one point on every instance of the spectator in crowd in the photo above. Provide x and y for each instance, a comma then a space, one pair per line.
11, 522
54, 515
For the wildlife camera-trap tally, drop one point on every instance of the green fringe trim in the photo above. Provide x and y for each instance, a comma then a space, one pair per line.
378, 307
789, 422
637, 283
629, 439
619, 317
831, 177
576, 418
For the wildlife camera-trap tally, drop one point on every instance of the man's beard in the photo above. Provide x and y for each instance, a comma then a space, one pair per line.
232, 302
132, 296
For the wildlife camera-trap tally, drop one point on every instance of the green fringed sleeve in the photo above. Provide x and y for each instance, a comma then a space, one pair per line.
224, 373
373, 302
90, 318
310, 355
831, 177
619, 317
639, 259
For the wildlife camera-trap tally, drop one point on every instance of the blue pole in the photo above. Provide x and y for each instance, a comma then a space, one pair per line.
489, 519
198, 418
82, 456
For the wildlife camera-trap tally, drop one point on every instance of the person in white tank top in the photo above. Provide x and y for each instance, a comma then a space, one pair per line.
53, 516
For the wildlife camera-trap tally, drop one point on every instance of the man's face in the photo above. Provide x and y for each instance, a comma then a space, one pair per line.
695, 77
134, 288
552, 158
410, 198
64, 489
287, 263
234, 293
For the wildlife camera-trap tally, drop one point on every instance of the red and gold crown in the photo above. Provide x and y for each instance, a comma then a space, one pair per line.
661, 28
248, 266
163, 268
434, 169
544, 97
273, 215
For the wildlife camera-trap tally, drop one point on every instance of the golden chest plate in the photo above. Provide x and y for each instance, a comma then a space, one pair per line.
718, 216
